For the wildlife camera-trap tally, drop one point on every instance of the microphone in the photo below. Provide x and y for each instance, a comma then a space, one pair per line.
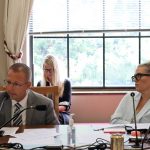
37, 107
5, 97
137, 144
132, 94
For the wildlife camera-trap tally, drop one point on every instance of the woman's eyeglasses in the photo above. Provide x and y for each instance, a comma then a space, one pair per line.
138, 76
48, 70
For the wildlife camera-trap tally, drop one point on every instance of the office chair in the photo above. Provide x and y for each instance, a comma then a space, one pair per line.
49, 90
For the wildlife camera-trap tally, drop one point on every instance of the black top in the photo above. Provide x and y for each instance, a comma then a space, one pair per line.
66, 97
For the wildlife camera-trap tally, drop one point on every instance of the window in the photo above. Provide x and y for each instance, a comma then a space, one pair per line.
89, 40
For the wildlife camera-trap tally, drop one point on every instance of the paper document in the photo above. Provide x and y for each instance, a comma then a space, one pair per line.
36, 137
9, 130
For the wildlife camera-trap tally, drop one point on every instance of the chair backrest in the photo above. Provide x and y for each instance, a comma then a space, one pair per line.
49, 90
2, 88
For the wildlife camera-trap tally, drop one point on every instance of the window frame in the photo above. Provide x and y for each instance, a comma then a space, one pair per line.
105, 28
76, 88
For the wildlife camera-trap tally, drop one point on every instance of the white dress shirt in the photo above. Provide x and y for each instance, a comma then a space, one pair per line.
124, 112
23, 103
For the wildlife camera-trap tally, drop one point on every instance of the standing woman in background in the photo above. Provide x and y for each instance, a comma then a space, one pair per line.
51, 78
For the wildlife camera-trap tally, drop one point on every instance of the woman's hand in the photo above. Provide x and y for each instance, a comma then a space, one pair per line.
62, 108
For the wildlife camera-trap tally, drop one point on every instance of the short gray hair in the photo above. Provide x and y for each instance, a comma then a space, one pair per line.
21, 67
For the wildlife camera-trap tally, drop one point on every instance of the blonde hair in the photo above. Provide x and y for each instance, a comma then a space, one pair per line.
50, 60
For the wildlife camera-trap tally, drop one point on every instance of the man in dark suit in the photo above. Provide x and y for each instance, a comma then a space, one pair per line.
18, 83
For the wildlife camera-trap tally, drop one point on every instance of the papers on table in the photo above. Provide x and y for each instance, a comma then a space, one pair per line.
31, 138
140, 125
112, 128
85, 135
108, 126
9, 130
121, 126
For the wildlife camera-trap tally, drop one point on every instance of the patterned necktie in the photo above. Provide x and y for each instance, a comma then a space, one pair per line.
18, 119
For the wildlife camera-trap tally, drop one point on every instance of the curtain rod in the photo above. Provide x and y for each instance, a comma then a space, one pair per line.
89, 31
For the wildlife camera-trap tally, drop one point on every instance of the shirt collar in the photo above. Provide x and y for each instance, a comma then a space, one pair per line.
23, 102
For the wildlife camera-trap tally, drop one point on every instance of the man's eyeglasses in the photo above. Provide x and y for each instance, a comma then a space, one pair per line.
14, 84
138, 76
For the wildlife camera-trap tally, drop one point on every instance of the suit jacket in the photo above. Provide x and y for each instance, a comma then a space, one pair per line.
124, 113
33, 117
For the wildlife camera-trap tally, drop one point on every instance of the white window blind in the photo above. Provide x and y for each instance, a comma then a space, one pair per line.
63, 15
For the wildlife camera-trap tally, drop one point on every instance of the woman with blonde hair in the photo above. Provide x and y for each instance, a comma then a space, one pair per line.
51, 77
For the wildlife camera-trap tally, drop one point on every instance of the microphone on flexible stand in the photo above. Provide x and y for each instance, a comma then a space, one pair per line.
5, 96
137, 144
37, 107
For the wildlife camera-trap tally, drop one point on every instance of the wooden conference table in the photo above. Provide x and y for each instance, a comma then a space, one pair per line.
86, 134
